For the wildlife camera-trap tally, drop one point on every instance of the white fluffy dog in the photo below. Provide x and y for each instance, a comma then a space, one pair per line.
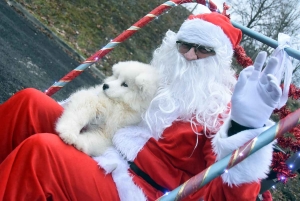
92, 116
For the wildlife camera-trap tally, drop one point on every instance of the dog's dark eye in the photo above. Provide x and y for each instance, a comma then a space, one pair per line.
124, 84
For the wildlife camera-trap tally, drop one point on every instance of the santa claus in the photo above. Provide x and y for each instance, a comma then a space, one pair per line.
195, 120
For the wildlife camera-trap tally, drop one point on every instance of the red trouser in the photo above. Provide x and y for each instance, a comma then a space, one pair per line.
41, 166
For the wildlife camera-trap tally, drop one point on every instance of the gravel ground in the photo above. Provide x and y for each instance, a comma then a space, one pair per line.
32, 57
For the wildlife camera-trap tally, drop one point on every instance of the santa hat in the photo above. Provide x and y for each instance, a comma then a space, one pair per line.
214, 30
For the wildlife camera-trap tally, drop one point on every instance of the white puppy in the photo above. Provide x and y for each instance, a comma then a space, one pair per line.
93, 115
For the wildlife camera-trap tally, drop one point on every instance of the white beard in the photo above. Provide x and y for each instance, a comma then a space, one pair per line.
196, 91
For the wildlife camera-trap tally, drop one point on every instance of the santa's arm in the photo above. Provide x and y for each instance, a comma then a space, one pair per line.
255, 96
241, 182
253, 168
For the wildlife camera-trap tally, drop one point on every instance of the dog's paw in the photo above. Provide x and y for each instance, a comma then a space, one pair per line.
68, 137
82, 146
67, 134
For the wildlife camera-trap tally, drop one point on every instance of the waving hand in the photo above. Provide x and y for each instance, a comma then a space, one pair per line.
256, 94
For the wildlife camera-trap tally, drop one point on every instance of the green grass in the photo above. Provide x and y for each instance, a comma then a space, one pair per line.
87, 26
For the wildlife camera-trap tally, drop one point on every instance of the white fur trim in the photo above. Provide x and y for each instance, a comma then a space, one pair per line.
204, 33
130, 140
113, 163
254, 167
109, 160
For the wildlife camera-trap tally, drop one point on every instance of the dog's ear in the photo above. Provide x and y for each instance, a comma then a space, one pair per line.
108, 79
117, 68
147, 83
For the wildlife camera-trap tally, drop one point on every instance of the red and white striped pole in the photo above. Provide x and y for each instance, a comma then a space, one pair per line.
121, 38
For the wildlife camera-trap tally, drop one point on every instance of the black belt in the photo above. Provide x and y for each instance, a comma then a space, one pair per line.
146, 177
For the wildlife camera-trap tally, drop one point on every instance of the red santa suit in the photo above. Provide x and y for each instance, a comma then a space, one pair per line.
37, 165
42, 167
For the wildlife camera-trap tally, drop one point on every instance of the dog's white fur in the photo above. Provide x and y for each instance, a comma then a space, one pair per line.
93, 115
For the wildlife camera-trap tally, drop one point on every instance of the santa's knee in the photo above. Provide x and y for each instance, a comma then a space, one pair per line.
26, 98
42, 145
27, 94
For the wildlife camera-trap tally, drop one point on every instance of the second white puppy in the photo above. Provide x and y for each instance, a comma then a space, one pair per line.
92, 116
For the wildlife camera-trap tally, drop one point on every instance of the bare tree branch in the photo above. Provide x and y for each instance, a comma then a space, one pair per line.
269, 18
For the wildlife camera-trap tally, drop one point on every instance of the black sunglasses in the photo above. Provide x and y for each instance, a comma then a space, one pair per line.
184, 47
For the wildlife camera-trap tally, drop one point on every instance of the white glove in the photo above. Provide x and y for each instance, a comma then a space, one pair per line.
256, 94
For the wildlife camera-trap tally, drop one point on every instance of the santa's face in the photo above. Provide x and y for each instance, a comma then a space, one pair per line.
196, 89
192, 51
191, 55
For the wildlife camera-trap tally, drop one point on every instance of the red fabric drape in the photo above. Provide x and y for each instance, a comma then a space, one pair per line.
27, 112
43, 167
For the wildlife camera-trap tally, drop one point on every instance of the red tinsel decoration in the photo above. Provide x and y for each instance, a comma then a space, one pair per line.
294, 93
295, 142
296, 132
279, 166
291, 143
282, 112
284, 142
241, 57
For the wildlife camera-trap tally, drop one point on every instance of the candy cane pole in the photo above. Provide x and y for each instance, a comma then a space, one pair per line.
237, 156
121, 38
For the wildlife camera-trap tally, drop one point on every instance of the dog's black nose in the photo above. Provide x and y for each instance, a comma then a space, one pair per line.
105, 86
